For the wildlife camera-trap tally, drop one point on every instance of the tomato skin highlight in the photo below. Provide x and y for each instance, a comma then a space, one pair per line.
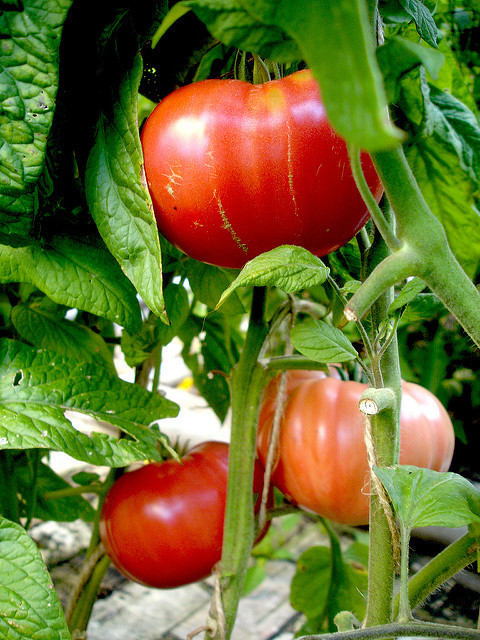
162, 524
322, 460
236, 169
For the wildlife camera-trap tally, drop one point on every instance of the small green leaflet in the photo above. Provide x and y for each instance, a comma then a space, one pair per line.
29, 603
61, 509
423, 498
208, 283
408, 293
37, 387
423, 18
288, 267
141, 345
321, 342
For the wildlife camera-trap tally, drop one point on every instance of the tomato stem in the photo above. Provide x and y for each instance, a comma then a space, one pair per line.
424, 253
404, 610
373, 400
398, 629
376, 213
384, 433
458, 555
247, 382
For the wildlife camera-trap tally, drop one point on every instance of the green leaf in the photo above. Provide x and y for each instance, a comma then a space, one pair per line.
118, 196
311, 582
346, 262
465, 125
75, 274
208, 283
29, 58
46, 330
37, 387
29, 603
398, 56
425, 306
408, 293
451, 79
423, 498
320, 591
176, 12
356, 110
423, 18
289, 268
444, 158
321, 342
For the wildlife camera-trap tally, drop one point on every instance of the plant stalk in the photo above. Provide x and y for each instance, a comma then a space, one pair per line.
408, 629
447, 563
425, 251
247, 383
385, 430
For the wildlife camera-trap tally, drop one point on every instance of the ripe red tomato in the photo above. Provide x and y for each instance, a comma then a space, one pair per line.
236, 169
162, 524
322, 459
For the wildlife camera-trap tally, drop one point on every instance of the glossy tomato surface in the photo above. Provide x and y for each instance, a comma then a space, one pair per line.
162, 524
236, 169
322, 460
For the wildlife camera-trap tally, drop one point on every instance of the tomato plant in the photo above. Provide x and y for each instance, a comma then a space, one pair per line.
85, 279
322, 459
236, 169
162, 524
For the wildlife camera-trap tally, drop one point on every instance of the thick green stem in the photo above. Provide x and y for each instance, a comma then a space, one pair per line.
247, 384
393, 269
401, 630
425, 251
404, 610
456, 556
385, 436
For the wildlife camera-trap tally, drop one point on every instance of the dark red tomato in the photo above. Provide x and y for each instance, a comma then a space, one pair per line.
236, 169
162, 524
322, 459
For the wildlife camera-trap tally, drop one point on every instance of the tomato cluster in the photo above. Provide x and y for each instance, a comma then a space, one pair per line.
321, 461
236, 169
162, 524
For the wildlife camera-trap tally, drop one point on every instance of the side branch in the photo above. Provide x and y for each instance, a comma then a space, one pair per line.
399, 630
